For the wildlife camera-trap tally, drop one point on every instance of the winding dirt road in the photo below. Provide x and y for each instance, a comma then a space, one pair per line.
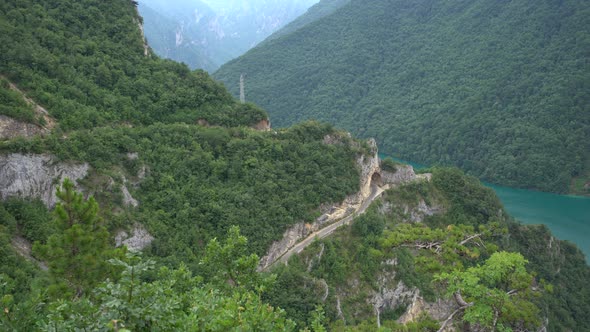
322, 233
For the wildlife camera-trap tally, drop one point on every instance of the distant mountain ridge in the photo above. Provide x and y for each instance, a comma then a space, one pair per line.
206, 34
499, 88
166, 37
162, 159
314, 13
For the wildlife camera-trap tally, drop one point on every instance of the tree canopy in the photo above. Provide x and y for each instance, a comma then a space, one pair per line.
497, 88
86, 63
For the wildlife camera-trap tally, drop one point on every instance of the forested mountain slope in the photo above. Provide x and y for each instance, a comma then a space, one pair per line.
159, 148
179, 43
86, 63
166, 174
206, 34
177, 141
383, 268
314, 13
497, 88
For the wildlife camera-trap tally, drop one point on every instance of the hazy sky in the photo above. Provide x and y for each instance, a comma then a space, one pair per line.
229, 4
219, 4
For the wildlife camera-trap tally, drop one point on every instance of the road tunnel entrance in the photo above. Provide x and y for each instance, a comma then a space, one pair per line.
376, 179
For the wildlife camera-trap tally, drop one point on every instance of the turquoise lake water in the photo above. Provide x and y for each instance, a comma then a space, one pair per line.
567, 216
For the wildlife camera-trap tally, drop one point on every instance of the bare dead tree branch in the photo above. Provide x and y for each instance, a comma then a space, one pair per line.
470, 238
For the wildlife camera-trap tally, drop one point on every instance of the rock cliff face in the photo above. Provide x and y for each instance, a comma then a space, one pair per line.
369, 165
370, 175
24, 248
411, 212
10, 128
139, 23
391, 294
292, 235
36, 176
439, 310
404, 174
138, 240
389, 298
263, 125
421, 211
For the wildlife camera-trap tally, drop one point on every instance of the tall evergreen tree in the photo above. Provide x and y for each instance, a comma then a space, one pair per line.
77, 253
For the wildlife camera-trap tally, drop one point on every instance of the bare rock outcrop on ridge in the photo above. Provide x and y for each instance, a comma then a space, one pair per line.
370, 171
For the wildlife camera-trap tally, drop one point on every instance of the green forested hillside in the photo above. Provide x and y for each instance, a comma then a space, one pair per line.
497, 88
383, 250
205, 34
201, 188
314, 13
200, 181
85, 62
197, 183
161, 34
133, 117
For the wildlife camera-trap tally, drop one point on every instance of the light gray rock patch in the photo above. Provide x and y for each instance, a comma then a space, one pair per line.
11, 128
36, 176
403, 174
139, 239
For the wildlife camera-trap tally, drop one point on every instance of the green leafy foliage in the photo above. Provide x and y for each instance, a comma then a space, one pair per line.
197, 182
389, 165
29, 219
295, 292
317, 320
321, 9
228, 265
562, 269
13, 105
471, 203
78, 252
22, 282
84, 61
464, 243
496, 88
174, 300
497, 293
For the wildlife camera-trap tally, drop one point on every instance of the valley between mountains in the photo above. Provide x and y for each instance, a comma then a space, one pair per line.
137, 194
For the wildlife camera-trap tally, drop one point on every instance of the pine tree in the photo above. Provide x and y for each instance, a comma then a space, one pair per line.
495, 296
77, 253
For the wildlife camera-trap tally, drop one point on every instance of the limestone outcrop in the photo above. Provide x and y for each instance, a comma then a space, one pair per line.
371, 176
290, 238
24, 248
128, 200
11, 128
139, 22
403, 174
389, 298
262, 125
391, 294
368, 165
138, 240
36, 176
421, 211
411, 212
439, 310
